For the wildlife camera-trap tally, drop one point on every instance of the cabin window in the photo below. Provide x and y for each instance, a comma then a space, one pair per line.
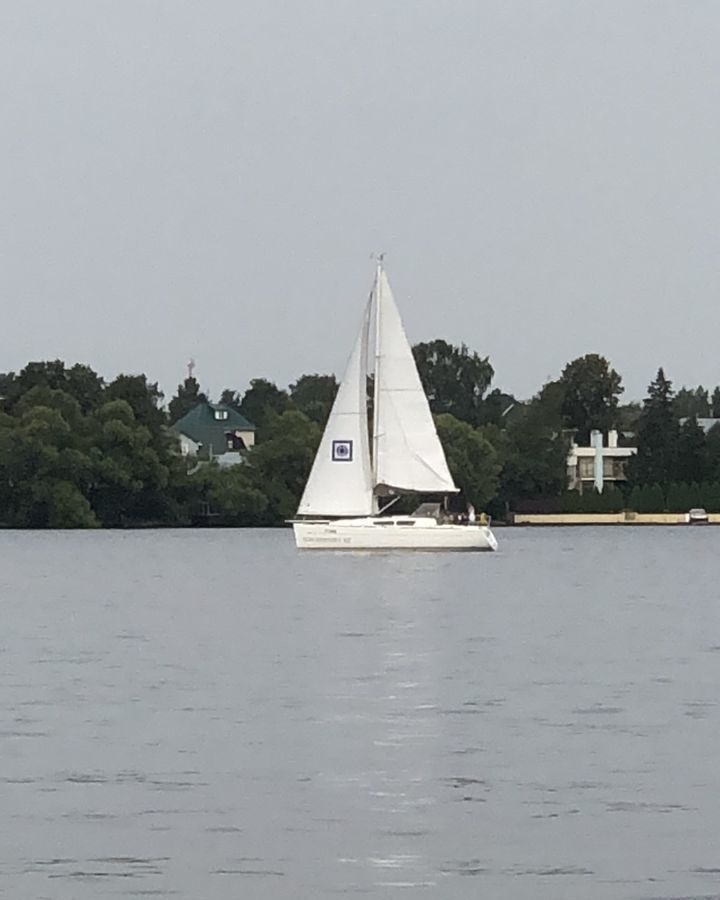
406, 523
383, 522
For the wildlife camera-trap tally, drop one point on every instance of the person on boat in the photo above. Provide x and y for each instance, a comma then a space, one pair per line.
471, 514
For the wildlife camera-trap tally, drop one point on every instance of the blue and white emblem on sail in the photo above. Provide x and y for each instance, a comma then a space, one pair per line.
342, 451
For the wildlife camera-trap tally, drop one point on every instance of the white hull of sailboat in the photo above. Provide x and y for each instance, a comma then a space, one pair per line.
348, 475
391, 533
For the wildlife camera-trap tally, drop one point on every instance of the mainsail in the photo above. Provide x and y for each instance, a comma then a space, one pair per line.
340, 482
408, 455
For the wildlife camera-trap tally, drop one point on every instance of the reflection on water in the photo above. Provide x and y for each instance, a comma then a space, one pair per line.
214, 715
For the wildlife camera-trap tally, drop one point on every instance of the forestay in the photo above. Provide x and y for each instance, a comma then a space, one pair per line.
340, 482
408, 453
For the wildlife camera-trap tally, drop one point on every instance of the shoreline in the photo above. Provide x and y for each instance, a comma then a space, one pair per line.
621, 518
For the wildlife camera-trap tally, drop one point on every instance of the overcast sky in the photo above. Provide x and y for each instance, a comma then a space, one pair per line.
182, 178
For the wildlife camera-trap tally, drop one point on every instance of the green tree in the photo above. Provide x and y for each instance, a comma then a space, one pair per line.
230, 495
85, 385
496, 407
279, 465
692, 403
591, 390
676, 496
130, 479
47, 373
232, 399
627, 417
51, 398
611, 500
692, 455
79, 382
262, 401
67, 463
145, 400
472, 459
7, 387
715, 408
657, 436
570, 502
647, 498
680, 497
711, 496
63, 505
712, 449
187, 397
536, 460
455, 380
143, 397
42, 473
313, 395
696, 494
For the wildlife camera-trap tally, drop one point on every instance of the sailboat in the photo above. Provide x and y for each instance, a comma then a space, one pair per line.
355, 478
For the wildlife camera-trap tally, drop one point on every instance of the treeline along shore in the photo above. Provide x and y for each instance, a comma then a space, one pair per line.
77, 451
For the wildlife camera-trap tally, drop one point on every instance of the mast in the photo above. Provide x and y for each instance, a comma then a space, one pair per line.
376, 384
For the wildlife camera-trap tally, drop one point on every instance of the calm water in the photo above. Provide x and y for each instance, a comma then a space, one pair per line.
212, 715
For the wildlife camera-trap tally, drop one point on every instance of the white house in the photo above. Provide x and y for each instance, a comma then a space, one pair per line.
590, 467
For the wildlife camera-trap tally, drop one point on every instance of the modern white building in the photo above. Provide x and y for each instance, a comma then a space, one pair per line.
603, 461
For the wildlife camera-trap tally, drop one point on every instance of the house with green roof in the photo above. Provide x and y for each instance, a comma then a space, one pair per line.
215, 431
